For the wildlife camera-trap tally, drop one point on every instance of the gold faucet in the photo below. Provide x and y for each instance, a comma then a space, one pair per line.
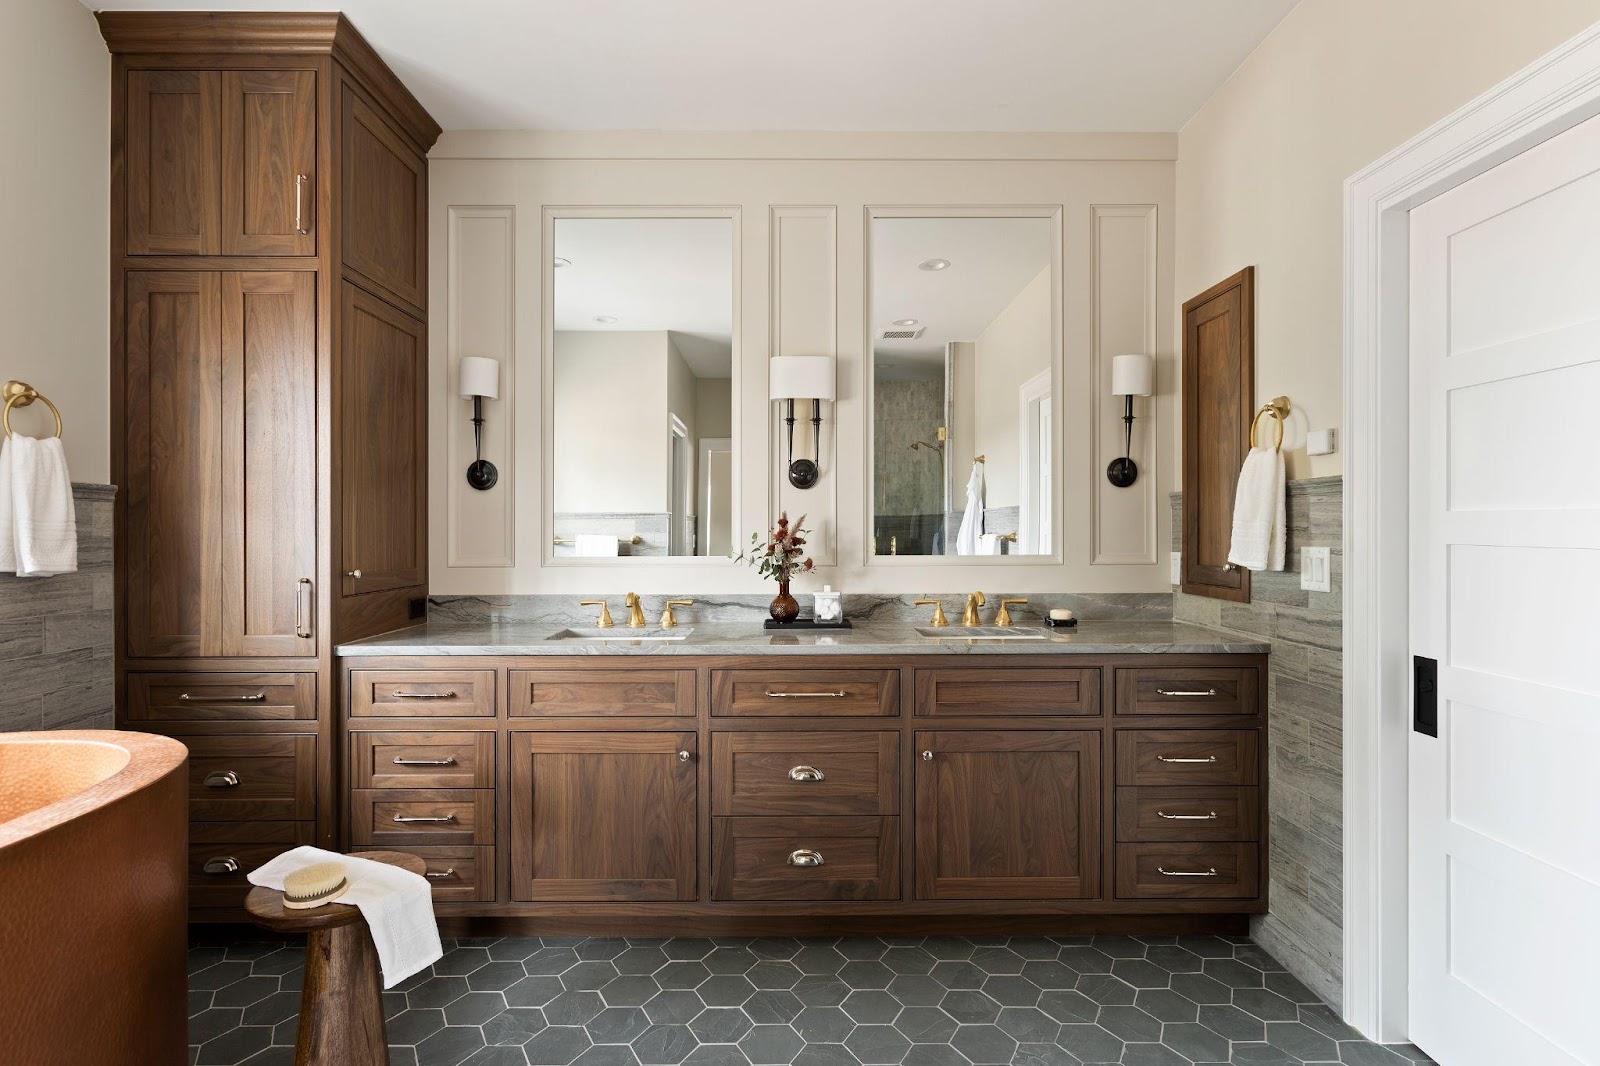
605, 621
969, 617
1004, 617
635, 612
939, 620
670, 620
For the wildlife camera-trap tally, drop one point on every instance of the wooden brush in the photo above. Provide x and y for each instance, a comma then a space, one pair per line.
314, 885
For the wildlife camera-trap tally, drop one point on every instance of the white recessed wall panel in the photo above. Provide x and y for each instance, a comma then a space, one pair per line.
1501, 619
1535, 458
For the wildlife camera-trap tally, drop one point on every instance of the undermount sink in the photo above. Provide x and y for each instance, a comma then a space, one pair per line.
983, 633
622, 634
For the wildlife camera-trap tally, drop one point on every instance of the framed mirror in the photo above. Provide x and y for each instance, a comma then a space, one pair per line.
640, 384
965, 319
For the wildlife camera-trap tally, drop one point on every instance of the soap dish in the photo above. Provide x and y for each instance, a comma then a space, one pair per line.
1061, 623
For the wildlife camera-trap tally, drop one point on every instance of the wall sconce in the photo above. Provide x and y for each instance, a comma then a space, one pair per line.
1131, 375
480, 380
799, 377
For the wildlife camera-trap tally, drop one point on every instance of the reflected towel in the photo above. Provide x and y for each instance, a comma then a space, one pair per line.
989, 544
972, 517
397, 904
38, 524
596, 545
1259, 514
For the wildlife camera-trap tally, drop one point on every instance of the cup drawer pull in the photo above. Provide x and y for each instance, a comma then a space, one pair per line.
1186, 692
805, 857
408, 820
1164, 872
254, 697
806, 695
400, 694
400, 761
222, 864
446, 874
806, 773
1187, 817
222, 779
1168, 758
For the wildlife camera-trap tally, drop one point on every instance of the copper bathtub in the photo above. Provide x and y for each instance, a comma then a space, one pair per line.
93, 836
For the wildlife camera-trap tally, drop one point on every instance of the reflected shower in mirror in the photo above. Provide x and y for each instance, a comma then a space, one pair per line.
641, 397
963, 313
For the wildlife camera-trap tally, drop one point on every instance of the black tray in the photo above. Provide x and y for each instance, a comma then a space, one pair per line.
1061, 623
806, 623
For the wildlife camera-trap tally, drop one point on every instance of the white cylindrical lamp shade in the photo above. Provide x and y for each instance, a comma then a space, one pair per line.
1132, 375
801, 377
479, 376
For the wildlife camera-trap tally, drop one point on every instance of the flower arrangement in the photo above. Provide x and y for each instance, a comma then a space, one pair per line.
780, 554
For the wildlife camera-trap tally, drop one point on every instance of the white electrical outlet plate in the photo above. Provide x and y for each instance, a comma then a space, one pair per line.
1316, 569
1321, 442
1177, 568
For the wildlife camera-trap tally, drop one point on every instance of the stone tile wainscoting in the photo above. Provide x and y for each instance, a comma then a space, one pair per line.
1305, 928
56, 632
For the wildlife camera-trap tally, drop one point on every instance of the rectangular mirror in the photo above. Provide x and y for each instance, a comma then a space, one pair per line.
965, 320
640, 401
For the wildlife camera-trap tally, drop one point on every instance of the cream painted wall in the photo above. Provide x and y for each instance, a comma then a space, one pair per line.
1261, 166
1012, 349
611, 420
55, 126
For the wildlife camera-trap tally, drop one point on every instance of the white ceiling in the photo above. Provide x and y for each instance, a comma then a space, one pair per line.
911, 65
651, 274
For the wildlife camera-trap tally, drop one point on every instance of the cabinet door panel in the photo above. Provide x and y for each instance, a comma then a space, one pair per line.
1008, 815
173, 139
172, 464
385, 201
603, 816
384, 411
269, 122
270, 461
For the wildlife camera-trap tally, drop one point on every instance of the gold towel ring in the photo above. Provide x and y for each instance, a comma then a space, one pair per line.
1279, 409
21, 394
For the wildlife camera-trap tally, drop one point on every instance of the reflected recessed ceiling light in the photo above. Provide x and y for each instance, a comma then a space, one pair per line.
560, 262
905, 322
606, 320
934, 264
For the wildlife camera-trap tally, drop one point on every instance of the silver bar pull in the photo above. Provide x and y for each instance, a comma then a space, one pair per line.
302, 607
806, 695
222, 864
399, 761
805, 857
256, 697
1168, 758
402, 695
1164, 872
222, 779
441, 875
300, 182
1187, 817
405, 820
806, 773
1182, 692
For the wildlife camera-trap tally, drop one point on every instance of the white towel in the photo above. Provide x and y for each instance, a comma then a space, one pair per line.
397, 904
989, 544
1258, 512
38, 526
972, 517
594, 544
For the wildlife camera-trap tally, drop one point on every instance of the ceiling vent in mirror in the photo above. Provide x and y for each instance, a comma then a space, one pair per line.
900, 334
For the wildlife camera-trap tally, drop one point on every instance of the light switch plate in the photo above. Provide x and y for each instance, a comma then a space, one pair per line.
1316, 569
1177, 568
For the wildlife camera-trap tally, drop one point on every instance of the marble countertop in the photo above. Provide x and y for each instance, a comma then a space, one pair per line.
1088, 638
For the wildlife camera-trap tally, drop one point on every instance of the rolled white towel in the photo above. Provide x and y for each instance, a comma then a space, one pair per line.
595, 545
1259, 512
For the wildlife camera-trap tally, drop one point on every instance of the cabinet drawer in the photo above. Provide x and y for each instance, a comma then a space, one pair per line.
422, 760
222, 854
1187, 871
1187, 690
805, 773
421, 816
806, 859
219, 697
457, 875
805, 693
1187, 756
244, 778
1007, 691
617, 693
422, 693
1206, 813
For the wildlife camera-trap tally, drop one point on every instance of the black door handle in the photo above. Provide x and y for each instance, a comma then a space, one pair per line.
1425, 695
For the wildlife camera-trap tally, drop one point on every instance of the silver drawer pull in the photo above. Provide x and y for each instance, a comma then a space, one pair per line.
222, 864
398, 761
806, 773
400, 694
1168, 758
441, 875
806, 695
256, 697
1187, 817
1186, 692
222, 779
805, 857
1164, 872
404, 820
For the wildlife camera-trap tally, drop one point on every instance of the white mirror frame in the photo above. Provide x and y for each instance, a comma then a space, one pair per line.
547, 286
1052, 212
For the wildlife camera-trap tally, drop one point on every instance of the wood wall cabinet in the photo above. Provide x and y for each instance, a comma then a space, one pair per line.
252, 431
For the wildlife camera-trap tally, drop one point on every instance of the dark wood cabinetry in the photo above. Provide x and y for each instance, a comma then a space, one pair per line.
239, 398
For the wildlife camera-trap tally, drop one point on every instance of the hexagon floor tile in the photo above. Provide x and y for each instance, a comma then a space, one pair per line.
574, 1001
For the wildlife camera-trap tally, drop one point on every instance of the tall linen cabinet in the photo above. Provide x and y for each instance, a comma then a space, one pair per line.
269, 365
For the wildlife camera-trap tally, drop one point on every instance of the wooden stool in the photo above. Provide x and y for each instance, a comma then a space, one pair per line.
341, 1004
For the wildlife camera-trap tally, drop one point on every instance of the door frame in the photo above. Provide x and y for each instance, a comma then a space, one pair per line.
1554, 93
1030, 456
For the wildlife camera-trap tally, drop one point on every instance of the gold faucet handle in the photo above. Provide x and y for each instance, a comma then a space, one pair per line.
939, 620
668, 619
605, 621
1004, 617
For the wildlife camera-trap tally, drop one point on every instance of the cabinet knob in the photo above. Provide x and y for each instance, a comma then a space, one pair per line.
684, 756
927, 756
353, 573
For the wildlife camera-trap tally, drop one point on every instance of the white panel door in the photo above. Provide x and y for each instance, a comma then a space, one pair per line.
1505, 595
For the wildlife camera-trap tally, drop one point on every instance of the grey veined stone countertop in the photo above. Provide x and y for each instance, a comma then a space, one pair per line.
1088, 638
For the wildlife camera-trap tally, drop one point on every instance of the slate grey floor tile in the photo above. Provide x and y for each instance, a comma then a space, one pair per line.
719, 1025
773, 1007
873, 1044
823, 1025
825, 1055
771, 1044
984, 1044
450, 1045
934, 1055
497, 1055
871, 1006
717, 1055
1130, 1023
